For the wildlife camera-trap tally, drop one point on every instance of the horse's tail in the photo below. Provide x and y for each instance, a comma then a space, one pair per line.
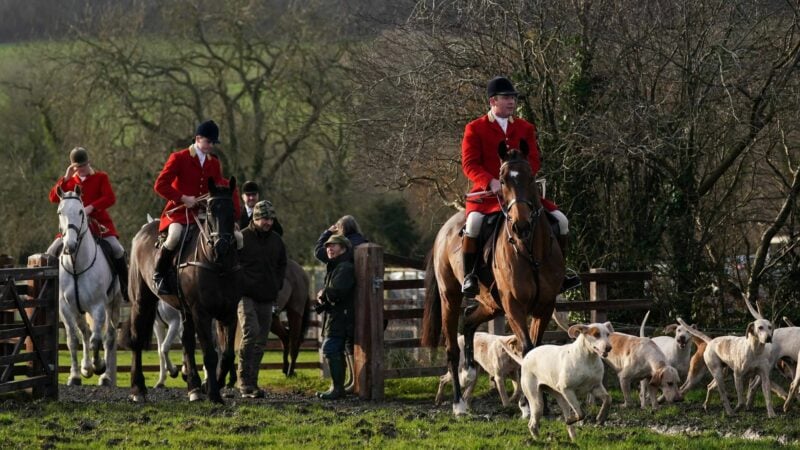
432, 315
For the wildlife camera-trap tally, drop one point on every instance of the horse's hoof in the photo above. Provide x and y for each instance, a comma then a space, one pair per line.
87, 372
216, 399
137, 398
74, 381
100, 368
195, 396
174, 372
159, 386
105, 381
460, 408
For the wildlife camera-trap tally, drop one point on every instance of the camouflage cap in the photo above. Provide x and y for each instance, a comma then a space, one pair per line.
264, 209
79, 156
338, 239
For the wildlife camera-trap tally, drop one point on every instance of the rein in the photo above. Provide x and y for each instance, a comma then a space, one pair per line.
81, 230
208, 239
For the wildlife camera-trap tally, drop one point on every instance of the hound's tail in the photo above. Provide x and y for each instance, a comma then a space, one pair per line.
644, 321
693, 331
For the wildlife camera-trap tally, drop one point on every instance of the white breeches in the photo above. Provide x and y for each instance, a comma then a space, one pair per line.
175, 232
475, 219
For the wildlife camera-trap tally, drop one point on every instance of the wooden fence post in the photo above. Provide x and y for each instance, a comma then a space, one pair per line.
46, 315
598, 291
369, 322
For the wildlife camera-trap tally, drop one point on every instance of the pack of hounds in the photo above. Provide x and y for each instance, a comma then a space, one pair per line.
575, 371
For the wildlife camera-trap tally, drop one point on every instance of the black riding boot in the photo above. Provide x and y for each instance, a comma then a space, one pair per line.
571, 281
121, 267
162, 272
336, 366
469, 253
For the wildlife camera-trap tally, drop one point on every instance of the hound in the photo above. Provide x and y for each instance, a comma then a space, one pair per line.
678, 351
639, 359
745, 355
569, 371
494, 360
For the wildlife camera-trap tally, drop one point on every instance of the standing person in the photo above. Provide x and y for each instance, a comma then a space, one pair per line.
97, 196
481, 164
263, 260
250, 196
347, 226
183, 179
336, 301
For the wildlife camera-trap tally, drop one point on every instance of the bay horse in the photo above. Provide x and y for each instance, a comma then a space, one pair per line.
295, 299
208, 289
87, 290
527, 270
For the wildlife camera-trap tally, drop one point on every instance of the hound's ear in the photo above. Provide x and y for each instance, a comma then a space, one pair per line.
655, 381
575, 330
750, 328
212, 186
523, 147
610, 328
502, 150
59, 191
670, 328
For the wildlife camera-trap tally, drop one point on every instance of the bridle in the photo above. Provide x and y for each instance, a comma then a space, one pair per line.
210, 238
521, 243
81, 229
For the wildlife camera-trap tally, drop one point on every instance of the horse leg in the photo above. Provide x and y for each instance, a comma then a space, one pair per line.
474, 316
160, 330
517, 320
295, 339
282, 333
86, 364
538, 326
98, 323
109, 378
450, 314
210, 359
189, 363
226, 335
73, 334
143, 314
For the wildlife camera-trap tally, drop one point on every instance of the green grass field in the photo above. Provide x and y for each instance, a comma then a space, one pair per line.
291, 417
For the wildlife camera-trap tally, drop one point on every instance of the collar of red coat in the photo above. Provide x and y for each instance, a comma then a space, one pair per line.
493, 118
193, 152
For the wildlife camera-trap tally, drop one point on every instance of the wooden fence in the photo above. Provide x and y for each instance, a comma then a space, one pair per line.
29, 329
372, 316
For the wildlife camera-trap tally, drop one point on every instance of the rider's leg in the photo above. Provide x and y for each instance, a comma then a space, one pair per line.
120, 264
571, 281
469, 253
164, 261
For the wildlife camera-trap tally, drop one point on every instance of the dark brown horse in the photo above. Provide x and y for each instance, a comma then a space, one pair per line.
295, 299
527, 271
208, 289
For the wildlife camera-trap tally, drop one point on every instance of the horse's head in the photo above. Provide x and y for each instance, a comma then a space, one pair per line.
520, 196
220, 220
72, 220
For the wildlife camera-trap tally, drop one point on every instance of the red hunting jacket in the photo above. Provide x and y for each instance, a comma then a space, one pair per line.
96, 191
481, 163
183, 175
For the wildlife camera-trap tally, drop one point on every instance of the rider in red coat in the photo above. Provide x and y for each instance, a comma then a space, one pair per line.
481, 164
183, 179
97, 197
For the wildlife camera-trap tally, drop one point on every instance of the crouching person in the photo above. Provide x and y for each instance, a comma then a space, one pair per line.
263, 261
336, 301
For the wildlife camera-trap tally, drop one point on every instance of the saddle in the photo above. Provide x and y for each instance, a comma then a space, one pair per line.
493, 224
109, 255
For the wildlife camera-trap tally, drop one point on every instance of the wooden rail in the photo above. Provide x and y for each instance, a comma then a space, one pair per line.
371, 315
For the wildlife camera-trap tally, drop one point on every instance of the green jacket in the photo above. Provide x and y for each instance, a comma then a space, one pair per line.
339, 292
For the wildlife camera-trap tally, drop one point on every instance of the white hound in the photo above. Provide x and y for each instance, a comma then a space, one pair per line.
493, 359
678, 351
635, 358
746, 356
569, 371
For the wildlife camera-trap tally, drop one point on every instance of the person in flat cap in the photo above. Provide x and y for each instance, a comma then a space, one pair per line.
480, 162
263, 260
336, 301
250, 196
97, 196
181, 181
